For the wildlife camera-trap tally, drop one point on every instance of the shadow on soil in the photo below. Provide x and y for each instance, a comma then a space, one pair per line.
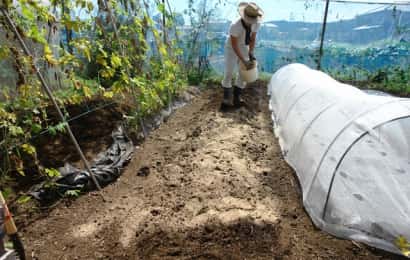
239, 240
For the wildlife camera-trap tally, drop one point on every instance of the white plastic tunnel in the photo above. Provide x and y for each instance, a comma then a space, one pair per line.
350, 151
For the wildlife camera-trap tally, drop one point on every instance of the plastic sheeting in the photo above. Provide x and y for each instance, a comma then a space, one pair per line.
350, 151
106, 168
109, 164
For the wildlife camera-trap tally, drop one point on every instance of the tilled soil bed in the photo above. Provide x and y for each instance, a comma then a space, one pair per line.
205, 185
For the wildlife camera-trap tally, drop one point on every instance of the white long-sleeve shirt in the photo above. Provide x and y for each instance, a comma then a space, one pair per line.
237, 30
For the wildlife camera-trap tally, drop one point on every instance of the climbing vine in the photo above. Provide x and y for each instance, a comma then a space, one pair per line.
110, 50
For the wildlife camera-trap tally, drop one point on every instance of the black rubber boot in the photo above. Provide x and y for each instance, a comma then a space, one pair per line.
237, 100
226, 102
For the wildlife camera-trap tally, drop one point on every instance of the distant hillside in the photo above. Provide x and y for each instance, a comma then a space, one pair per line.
363, 29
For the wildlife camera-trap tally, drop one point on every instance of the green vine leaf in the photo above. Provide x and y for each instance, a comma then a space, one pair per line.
6, 192
23, 199
404, 246
115, 61
61, 127
36, 128
72, 193
108, 94
28, 148
48, 55
52, 173
16, 130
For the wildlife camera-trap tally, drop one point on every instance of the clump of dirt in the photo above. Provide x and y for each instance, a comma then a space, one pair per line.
204, 185
144, 171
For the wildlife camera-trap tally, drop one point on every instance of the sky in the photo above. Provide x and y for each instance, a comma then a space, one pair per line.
296, 10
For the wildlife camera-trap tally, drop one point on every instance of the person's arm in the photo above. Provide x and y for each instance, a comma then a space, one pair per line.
252, 45
234, 41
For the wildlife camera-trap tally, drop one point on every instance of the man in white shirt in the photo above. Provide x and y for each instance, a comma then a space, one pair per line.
239, 48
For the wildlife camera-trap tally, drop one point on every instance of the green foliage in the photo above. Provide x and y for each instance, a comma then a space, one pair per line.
403, 245
394, 80
23, 199
264, 76
129, 61
52, 173
60, 127
200, 13
6, 192
205, 76
72, 193
196, 76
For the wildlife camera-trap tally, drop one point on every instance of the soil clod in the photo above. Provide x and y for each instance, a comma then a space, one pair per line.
143, 171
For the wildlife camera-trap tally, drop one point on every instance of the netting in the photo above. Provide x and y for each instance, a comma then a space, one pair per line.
364, 41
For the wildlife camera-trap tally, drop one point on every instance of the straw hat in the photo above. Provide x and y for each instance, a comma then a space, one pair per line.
250, 12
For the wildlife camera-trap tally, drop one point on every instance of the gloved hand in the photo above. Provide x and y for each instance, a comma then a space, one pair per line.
250, 64
251, 56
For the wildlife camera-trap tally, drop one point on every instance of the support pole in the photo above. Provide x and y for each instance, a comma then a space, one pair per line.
164, 24
322, 37
174, 19
51, 97
166, 45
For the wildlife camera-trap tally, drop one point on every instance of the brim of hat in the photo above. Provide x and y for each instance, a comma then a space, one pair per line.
248, 19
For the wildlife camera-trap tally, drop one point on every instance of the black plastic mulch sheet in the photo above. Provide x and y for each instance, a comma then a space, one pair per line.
107, 167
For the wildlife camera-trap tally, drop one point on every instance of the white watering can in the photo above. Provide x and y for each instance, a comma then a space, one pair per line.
250, 75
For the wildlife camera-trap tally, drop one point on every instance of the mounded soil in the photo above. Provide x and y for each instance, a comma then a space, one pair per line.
205, 185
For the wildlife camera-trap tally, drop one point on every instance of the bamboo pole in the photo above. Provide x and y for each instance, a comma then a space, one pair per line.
164, 24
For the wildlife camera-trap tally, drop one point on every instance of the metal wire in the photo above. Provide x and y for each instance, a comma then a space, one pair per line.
68, 121
89, 110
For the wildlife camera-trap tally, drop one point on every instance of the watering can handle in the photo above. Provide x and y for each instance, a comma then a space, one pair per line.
251, 56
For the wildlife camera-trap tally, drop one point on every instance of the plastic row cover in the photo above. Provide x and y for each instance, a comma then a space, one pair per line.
350, 151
